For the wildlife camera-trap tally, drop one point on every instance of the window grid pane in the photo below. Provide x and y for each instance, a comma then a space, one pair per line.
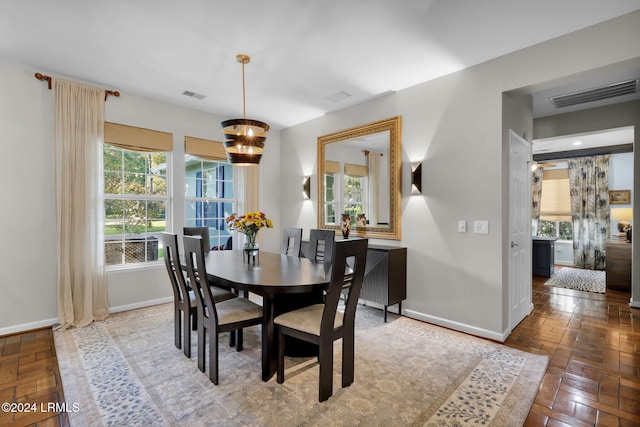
135, 205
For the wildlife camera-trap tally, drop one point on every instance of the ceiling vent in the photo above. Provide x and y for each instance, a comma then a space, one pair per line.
193, 94
626, 87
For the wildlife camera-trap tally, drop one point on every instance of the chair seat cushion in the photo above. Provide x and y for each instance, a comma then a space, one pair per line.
220, 294
307, 319
237, 310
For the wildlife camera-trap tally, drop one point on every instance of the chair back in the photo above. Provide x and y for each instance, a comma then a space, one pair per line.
355, 252
291, 241
202, 232
172, 262
321, 245
194, 257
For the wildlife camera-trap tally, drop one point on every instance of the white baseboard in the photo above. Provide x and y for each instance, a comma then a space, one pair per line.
54, 321
140, 304
484, 333
28, 326
634, 304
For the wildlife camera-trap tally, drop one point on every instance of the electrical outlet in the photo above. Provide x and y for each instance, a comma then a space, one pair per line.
462, 226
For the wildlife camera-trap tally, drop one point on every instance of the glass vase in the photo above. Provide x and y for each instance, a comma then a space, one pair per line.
250, 247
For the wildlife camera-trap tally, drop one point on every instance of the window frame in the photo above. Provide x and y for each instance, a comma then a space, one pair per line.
166, 198
219, 232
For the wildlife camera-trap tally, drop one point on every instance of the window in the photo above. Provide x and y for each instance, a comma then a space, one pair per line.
555, 205
329, 197
560, 229
209, 196
135, 204
355, 190
353, 196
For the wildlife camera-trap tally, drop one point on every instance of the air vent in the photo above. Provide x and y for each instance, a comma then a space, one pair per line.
626, 87
193, 94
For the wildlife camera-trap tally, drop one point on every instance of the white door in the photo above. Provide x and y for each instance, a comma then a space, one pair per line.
519, 229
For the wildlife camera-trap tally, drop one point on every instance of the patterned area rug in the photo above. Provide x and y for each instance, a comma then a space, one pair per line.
126, 371
579, 279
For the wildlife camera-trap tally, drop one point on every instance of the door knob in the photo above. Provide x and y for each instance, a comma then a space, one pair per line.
514, 244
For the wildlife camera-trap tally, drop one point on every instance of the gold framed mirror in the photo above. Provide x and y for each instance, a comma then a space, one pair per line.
360, 174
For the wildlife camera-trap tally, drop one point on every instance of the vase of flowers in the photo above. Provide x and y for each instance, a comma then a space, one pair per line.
249, 224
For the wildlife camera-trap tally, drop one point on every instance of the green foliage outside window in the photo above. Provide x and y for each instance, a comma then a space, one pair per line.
560, 229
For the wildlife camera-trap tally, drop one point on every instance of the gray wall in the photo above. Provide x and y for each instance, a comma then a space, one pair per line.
456, 125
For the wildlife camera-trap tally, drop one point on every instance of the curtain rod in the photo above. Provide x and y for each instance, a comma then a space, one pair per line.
41, 76
366, 153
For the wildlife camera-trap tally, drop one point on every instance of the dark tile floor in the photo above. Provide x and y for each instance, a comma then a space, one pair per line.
593, 342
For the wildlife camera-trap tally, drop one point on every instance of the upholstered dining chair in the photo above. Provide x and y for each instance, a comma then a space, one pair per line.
322, 324
184, 300
321, 245
291, 241
215, 317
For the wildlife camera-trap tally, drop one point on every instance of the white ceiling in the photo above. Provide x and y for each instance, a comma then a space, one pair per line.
605, 138
303, 52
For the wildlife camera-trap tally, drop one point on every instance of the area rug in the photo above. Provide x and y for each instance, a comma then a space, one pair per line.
126, 371
579, 279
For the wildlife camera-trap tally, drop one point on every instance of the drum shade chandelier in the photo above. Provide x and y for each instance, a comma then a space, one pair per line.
244, 138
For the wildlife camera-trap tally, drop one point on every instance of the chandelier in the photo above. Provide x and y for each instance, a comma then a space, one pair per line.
244, 138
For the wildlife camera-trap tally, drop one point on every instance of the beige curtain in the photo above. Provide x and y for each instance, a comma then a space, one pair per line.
373, 161
78, 125
246, 184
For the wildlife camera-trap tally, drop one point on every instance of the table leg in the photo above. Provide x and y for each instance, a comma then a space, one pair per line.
269, 359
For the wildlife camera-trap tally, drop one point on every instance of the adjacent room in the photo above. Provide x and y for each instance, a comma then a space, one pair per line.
342, 213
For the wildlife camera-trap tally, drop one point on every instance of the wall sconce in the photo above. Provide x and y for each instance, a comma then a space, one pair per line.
306, 187
416, 178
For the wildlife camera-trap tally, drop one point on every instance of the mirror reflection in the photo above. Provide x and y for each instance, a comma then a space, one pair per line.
359, 174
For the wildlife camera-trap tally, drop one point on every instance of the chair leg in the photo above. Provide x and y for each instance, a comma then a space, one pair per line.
325, 383
347, 359
280, 369
213, 356
201, 347
239, 345
186, 331
177, 327
232, 338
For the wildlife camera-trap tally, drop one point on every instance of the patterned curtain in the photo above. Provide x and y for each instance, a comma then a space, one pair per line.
589, 188
536, 194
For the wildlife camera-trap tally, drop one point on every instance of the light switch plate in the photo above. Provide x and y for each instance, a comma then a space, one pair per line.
481, 227
462, 226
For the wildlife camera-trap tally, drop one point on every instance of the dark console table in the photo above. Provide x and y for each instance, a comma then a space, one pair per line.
543, 255
385, 276
385, 280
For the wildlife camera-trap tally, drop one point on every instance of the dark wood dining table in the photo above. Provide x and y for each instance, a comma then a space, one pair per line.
283, 282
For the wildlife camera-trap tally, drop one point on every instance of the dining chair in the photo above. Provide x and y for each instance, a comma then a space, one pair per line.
322, 324
202, 232
184, 300
321, 245
291, 241
215, 317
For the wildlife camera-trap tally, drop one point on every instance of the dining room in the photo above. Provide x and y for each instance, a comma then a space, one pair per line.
164, 166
